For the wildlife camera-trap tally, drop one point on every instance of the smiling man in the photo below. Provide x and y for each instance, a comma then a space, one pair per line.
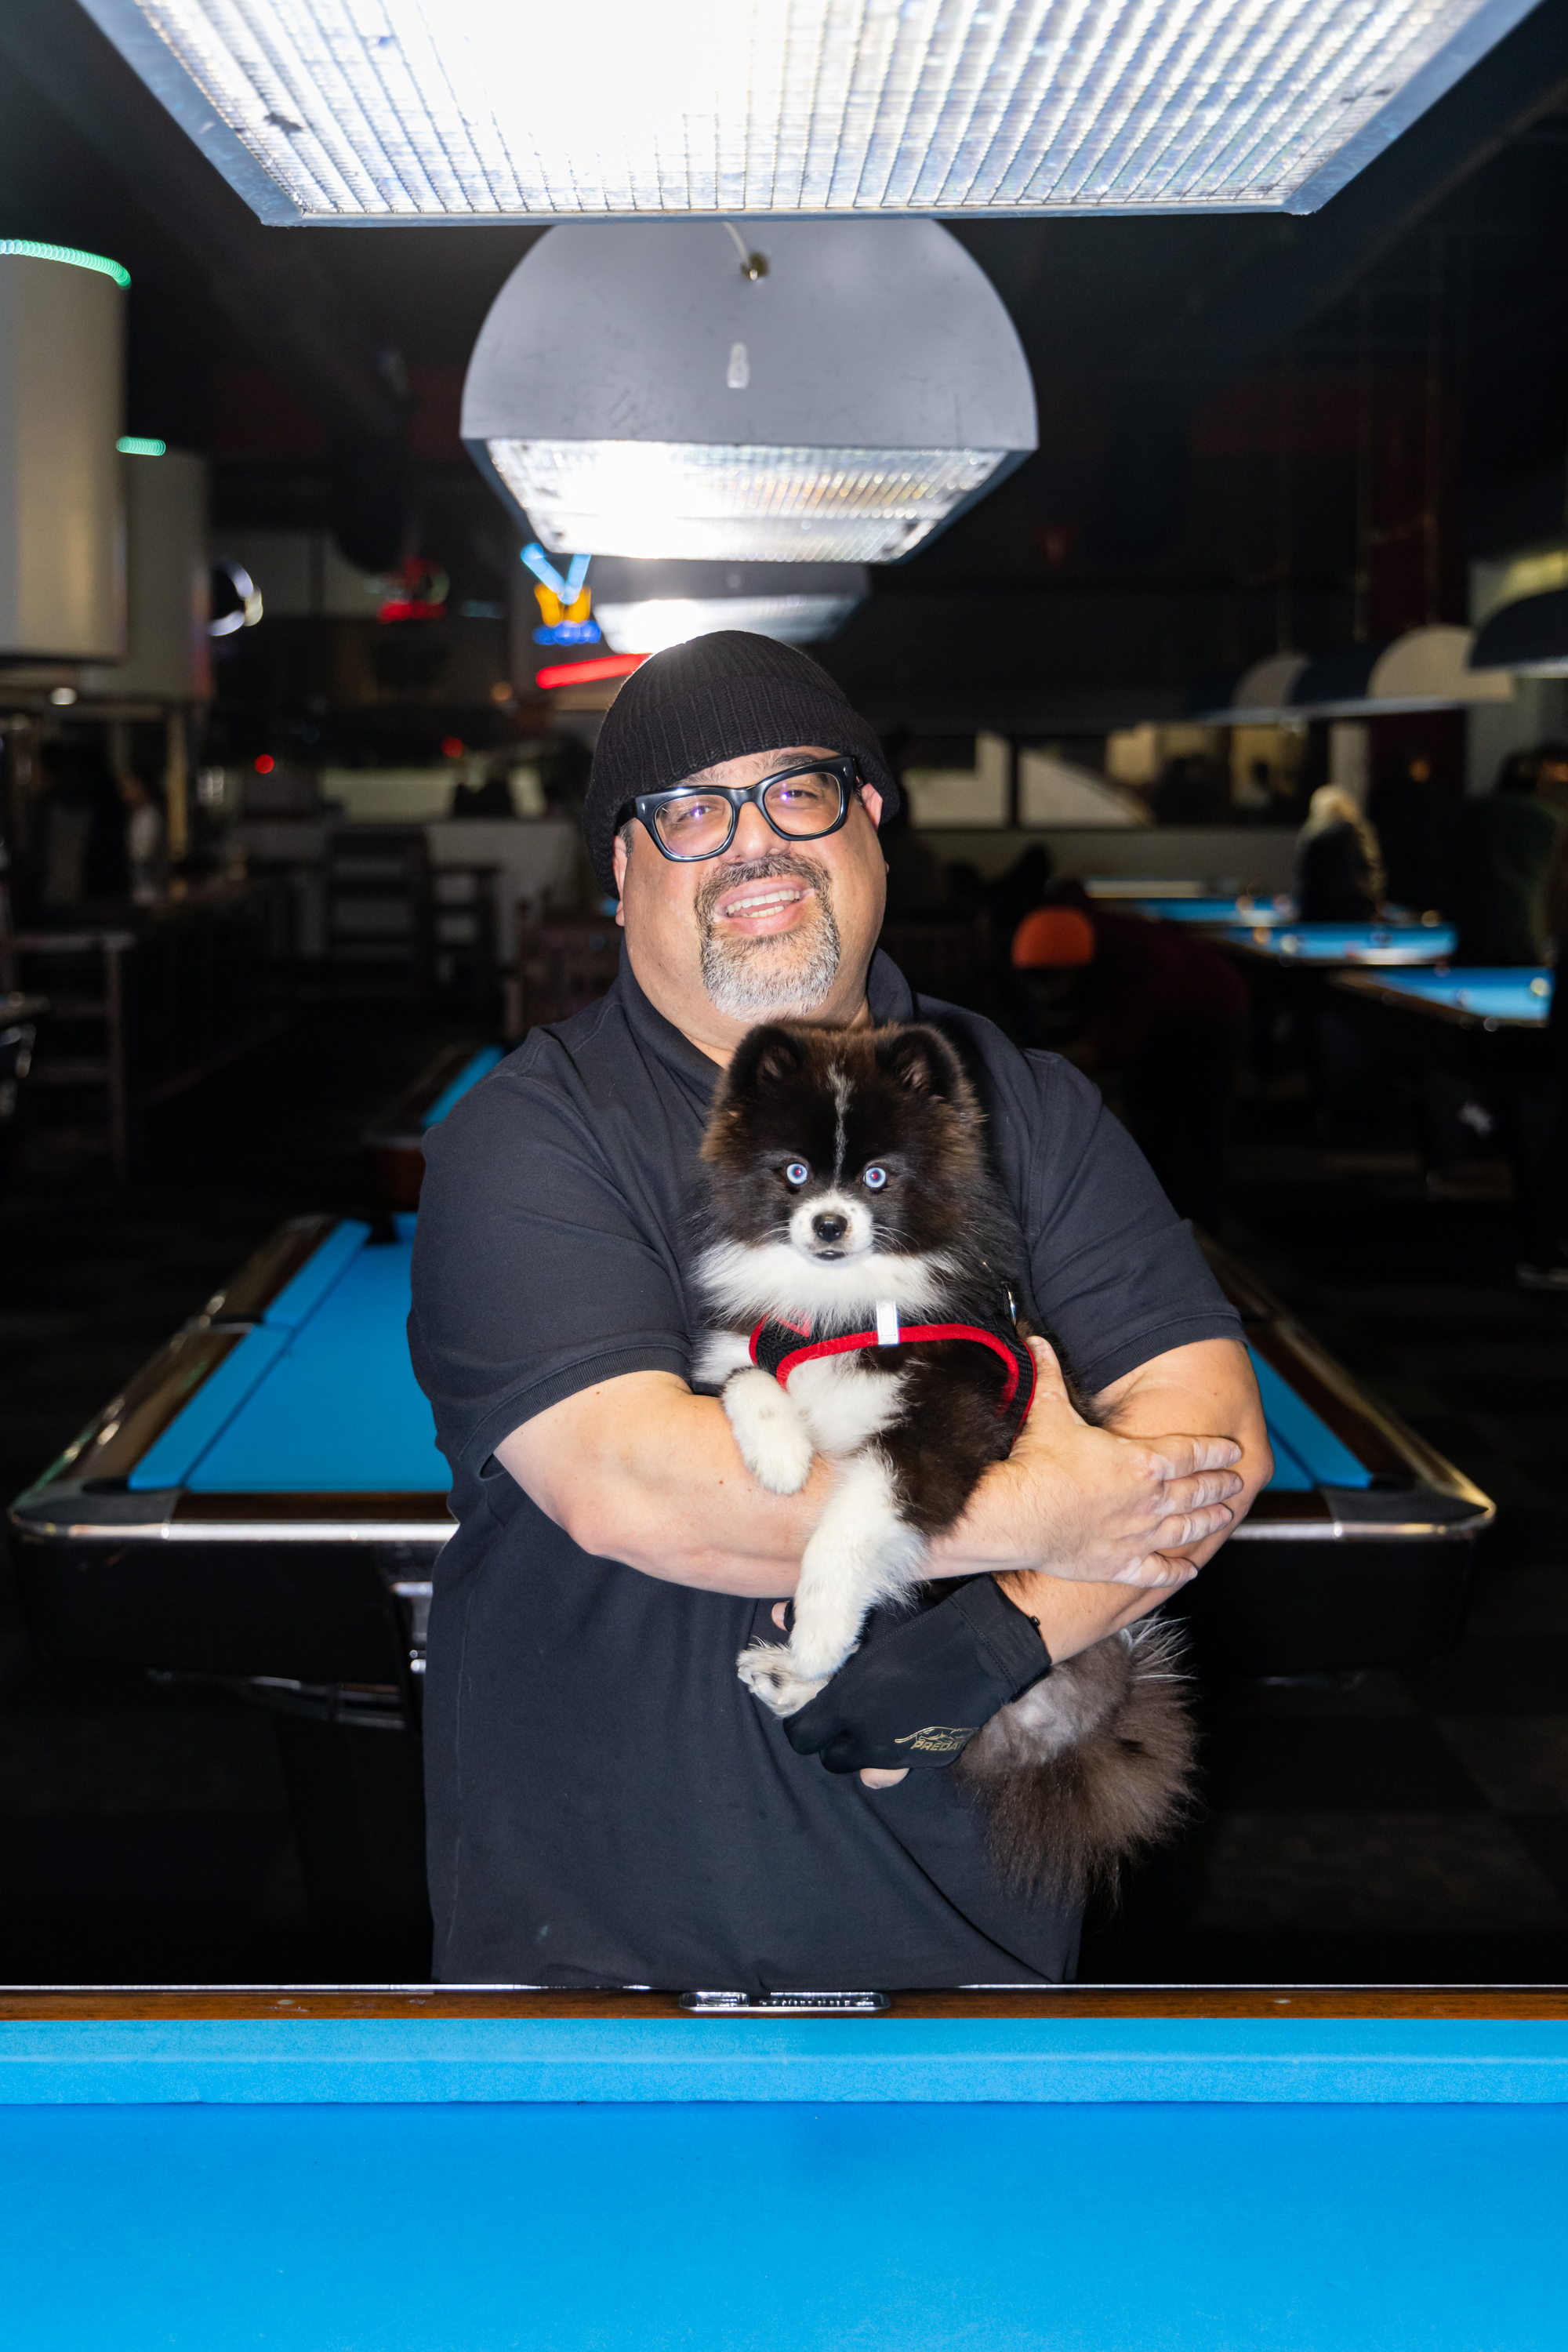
608, 1803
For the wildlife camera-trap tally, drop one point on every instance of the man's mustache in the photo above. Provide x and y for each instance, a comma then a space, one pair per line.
784, 866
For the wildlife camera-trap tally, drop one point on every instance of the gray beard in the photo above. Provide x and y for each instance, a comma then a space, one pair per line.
767, 979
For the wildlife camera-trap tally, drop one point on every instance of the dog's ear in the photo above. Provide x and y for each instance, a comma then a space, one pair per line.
765, 1056
922, 1060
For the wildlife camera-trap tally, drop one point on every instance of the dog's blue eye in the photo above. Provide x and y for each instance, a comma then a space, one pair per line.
874, 1179
797, 1172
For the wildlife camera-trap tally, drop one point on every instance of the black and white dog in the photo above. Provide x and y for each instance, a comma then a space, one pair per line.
857, 1260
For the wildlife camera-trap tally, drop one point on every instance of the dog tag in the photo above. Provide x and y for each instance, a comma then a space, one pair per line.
888, 1334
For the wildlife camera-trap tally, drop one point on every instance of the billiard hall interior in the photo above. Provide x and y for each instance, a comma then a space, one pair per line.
1156, 424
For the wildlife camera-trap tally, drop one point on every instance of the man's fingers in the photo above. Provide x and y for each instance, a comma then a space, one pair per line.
1153, 1574
1194, 1493
1184, 1528
1183, 1457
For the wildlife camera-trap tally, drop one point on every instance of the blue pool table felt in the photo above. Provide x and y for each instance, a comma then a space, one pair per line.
320, 1399
1343, 943
477, 1066
1517, 994
785, 2185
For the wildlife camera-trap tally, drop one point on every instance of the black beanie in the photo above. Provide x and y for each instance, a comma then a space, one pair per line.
710, 700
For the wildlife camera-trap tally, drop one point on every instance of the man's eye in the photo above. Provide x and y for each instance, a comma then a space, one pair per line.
874, 1179
797, 1174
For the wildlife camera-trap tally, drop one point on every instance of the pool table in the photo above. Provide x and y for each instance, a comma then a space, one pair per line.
395, 1141
422, 2169
1484, 1024
265, 1501
1326, 947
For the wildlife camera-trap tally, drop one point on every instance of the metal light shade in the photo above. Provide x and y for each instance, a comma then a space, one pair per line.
633, 392
526, 110
1424, 669
643, 608
1528, 638
1258, 697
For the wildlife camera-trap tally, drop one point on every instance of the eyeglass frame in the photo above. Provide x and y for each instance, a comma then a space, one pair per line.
841, 764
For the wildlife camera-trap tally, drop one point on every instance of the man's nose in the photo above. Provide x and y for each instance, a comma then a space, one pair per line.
829, 1227
755, 836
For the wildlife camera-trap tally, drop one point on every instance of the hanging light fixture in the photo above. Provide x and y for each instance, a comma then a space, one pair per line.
1259, 696
1528, 638
634, 392
1425, 669
646, 608
524, 110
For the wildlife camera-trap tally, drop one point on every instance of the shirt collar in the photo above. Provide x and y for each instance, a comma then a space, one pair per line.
888, 992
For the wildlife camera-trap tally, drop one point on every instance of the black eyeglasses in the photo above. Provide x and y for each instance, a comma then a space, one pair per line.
695, 821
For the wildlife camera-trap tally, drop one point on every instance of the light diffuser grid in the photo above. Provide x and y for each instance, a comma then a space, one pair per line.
658, 621
734, 504
417, 110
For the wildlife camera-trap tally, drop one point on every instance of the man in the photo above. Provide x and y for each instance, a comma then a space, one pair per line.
608, 1803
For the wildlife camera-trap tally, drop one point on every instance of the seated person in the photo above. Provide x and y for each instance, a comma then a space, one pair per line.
1501, 850
1153, 1005
607, 1802
1338, 875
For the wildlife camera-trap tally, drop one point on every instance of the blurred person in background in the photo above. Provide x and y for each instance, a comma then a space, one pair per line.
78, 831
1502, 847
1161, 1015
146, 840
1409, 810
1338, 873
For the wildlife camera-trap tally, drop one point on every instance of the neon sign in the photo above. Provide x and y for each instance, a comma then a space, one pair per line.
565, 605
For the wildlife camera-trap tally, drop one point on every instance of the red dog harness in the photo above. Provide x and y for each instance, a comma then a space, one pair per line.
778, 1347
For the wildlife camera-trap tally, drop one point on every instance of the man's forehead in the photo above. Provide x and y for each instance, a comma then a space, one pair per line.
758, 763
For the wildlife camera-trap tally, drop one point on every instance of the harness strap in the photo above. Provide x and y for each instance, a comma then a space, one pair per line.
779, 1347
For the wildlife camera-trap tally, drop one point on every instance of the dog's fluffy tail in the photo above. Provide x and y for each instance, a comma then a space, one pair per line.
1092, 1765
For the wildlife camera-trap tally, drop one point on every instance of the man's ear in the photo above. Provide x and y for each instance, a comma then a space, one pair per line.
871, 801
922, 1060
618, 864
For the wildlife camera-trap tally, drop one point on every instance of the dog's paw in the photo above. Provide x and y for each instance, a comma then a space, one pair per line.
774, 1442
769, 1672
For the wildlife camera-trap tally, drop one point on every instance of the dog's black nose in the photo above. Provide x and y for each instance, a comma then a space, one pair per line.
829, 1228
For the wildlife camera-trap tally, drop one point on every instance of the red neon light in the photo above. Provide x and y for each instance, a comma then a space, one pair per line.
452, 747
585, 672
265, 764
410, 608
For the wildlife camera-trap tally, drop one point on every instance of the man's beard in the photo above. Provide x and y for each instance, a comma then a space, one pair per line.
784, 972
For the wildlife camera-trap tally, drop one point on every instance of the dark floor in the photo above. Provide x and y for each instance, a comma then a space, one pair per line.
1406, 1827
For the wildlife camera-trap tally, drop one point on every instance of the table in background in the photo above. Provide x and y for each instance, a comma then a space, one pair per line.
1347, 2172
1329, 947
395, 1141
1485, 1023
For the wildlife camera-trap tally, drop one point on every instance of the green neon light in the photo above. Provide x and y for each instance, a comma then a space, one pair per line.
100, 261
133, 445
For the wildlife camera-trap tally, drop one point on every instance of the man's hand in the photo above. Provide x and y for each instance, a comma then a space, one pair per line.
1093, 1505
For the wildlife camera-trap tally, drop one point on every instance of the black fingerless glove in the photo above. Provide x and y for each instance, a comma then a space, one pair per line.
920, 1693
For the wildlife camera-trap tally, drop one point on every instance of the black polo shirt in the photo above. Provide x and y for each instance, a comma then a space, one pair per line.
608, 1803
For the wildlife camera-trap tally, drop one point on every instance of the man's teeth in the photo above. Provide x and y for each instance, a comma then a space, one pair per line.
763, 904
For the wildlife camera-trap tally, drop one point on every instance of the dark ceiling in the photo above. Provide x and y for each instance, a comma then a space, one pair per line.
1253, 431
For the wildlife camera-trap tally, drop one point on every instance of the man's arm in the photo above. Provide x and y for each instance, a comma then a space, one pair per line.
639, 1469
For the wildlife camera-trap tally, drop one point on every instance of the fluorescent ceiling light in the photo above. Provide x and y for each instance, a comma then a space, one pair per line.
762, 504
635, 393
136, 444
664, 621
461, 110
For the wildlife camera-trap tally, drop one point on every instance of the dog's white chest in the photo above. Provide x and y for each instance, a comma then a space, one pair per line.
842, 1403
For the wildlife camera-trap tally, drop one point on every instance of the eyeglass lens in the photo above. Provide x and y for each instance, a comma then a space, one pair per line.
698, 824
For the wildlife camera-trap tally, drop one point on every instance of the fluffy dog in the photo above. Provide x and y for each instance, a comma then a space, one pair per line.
859, 1265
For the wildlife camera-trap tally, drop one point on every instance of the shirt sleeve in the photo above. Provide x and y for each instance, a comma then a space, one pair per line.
1116, 1274
533, 1273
